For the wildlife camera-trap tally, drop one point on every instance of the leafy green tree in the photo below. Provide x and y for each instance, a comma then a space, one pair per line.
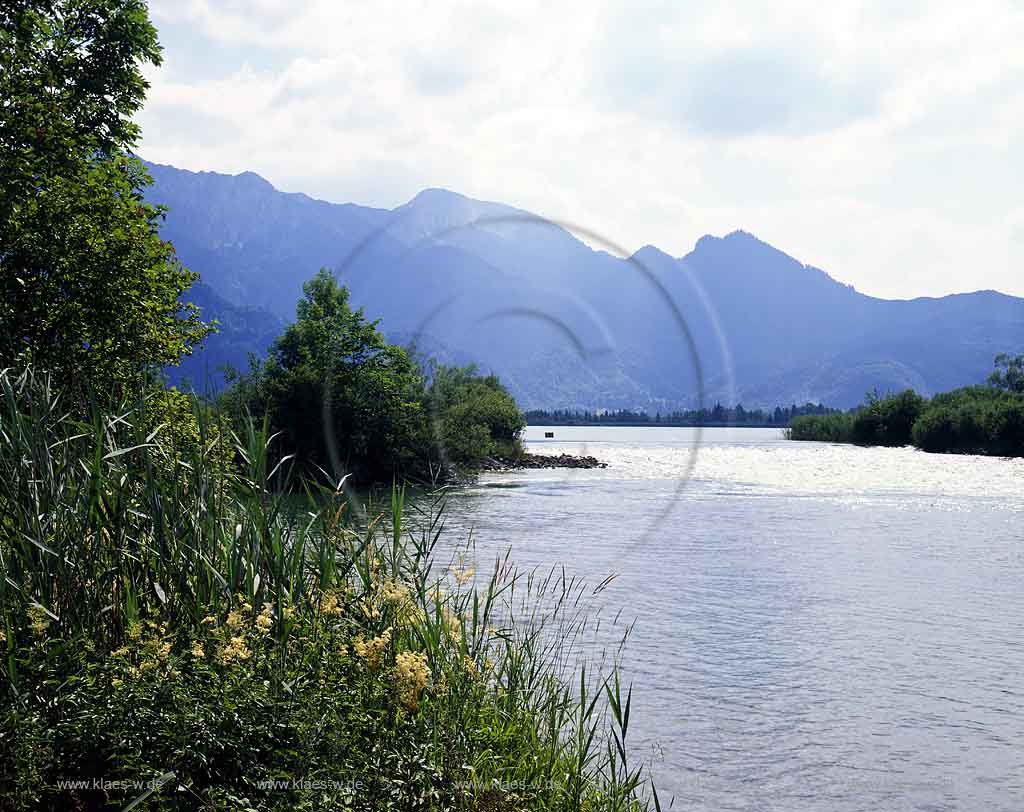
346, 400
1009, 373
88, 289
473, 415
887, 420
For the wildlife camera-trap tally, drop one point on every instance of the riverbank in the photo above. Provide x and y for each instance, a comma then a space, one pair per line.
182, 631
973, 420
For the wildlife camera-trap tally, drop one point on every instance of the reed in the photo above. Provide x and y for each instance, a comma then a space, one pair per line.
172, 612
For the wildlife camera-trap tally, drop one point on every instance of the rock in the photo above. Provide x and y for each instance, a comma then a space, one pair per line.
539, 461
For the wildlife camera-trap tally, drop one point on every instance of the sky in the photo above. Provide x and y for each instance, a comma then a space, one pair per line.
880, 141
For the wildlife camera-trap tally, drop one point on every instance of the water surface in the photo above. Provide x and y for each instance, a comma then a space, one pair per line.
819, 627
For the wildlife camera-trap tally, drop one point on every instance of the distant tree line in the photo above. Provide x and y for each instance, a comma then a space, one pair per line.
718, 415
984, 419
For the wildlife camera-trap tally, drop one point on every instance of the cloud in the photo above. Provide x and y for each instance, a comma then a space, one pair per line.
708, 73
878, 142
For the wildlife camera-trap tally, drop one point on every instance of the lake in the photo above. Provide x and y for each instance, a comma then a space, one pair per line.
818, 627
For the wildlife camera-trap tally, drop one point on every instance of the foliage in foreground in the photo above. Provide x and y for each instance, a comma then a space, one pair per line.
191, 629
972, 420
88, 289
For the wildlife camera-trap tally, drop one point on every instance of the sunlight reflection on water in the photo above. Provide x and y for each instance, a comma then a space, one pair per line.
819, 626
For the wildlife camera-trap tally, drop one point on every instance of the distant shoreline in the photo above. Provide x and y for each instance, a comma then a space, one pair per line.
662, 425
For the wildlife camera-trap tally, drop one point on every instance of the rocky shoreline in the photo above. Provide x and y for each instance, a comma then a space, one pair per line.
539, 461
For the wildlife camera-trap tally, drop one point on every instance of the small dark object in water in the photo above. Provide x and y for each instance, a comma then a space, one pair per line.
548, 434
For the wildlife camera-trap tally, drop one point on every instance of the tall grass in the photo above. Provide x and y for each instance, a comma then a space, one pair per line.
150, 585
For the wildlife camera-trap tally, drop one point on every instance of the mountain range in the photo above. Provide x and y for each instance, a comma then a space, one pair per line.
567, 323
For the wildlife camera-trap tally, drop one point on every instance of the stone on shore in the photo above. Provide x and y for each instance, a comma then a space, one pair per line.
539, 461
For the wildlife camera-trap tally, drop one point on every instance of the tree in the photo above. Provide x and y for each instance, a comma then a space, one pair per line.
887, 420
346, 400
1009, 373
473, 416
88, 289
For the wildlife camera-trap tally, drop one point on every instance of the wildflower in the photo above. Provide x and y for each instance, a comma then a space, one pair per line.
394, 592
134, 631
463, 575
400, 598
39, 620
197, 651
265, 619
117, 683
371, 650
470, 666
236, 649
209, 620
412, 675
235, 619
330, 605
124, 651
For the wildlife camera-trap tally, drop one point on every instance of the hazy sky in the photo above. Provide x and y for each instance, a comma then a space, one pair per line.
882, 141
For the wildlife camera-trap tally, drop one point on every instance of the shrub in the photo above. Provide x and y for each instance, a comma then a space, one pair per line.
826, 428
887, 421
204, 631
476, 415
180, 428
973, 420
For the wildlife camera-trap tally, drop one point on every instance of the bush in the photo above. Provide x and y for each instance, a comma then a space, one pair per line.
973, 420
201, 630
887, 421
181, 428
825, 428
476, 414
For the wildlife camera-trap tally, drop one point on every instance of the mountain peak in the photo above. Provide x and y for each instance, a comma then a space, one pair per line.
434, 195
740, 245
653, 258
255, 181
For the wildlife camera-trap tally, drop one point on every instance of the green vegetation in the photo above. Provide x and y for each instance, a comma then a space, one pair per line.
196, 627
473, 415
334, 387
718, 415
888, 420
88, 289
831, 428
348, 402
972, 420
190, 616
1009, 373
